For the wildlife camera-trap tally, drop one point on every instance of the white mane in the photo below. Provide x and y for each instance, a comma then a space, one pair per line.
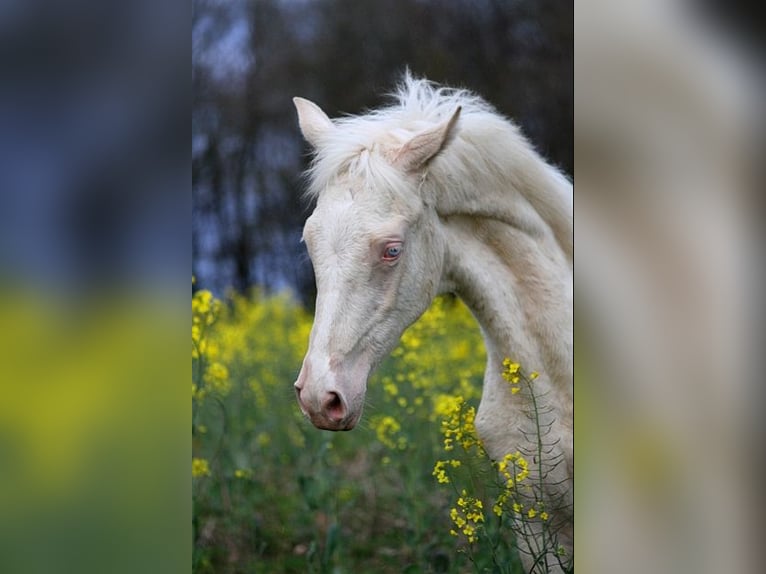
488, 147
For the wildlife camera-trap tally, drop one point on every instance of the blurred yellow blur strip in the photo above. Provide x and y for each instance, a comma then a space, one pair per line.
94, 444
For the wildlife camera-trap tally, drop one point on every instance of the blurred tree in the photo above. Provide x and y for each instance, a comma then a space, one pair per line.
251, 58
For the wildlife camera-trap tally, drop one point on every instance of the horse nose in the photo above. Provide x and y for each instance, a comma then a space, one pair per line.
326, 410
333, 407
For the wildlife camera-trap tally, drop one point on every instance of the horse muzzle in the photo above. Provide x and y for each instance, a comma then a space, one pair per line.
324, 402
328, 411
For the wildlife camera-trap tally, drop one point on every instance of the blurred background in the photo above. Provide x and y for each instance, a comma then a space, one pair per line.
250, 59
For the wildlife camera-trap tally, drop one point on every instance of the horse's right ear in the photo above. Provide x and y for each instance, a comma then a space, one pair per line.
313, 121
419, 150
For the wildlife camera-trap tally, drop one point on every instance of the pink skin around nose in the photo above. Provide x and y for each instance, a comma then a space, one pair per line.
322, 402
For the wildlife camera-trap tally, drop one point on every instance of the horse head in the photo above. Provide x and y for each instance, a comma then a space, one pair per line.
377, 254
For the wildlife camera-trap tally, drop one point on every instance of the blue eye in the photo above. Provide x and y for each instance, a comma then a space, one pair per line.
392, 251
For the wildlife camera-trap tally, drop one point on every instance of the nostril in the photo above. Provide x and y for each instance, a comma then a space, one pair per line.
333, 407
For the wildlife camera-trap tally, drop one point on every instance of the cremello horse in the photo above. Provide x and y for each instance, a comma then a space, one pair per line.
436, 194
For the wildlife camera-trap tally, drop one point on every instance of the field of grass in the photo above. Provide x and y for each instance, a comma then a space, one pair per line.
273, 494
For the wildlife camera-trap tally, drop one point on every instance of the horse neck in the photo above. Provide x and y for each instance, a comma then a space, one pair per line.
518, 287
512, 265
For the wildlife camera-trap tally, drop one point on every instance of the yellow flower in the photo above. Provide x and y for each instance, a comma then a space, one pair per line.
510, 366
197, 393
200, 467
532, 513
386, 428
390, 387
217, 377
544, 515
263, 439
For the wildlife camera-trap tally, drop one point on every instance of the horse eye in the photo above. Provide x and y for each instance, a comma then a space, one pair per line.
392, 251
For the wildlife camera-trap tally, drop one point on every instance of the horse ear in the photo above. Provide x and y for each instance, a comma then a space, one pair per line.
313, 121
424, 146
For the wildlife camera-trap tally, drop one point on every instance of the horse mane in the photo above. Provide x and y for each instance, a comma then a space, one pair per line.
488, 148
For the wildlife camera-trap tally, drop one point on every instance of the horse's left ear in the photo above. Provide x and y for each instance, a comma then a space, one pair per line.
313, 121
424, 146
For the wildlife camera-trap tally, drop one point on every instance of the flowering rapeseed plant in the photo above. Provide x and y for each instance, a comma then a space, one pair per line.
518, 488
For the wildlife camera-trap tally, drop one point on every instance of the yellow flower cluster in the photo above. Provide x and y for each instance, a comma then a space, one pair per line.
200, 467
467, 516
440, 471
243, 473
205, 311
514, 469
387, 429
212, 375
532, 512
513, 374
390, 387
216, 377
508, 466
445, 405
459, 425
197, 393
